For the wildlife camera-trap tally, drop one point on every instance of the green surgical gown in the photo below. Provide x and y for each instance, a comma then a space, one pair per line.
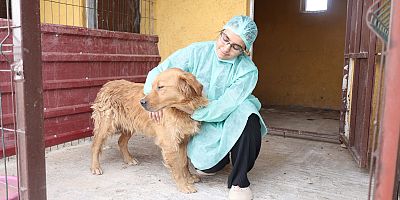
228, 85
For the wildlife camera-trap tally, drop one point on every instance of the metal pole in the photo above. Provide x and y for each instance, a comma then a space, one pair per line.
29, 100
137, 17
390, 122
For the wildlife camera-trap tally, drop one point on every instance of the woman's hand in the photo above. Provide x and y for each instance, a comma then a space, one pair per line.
156, 116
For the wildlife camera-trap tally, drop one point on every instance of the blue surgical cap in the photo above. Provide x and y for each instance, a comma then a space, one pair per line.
245, 27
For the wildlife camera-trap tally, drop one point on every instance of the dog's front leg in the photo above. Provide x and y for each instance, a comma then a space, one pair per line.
190, 178
179, 170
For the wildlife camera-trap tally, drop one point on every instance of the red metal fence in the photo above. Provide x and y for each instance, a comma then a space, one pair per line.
76, 63
389, 136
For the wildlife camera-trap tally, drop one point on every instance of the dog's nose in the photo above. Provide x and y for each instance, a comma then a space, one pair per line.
143, 102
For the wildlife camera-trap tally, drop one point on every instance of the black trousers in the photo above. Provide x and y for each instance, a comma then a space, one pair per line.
243, 154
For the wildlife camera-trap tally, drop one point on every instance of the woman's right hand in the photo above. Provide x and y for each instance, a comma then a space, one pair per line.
156, 116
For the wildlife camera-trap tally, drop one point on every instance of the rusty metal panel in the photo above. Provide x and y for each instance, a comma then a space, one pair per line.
76, 62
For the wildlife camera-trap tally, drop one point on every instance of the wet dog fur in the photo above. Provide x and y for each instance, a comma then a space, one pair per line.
121, 108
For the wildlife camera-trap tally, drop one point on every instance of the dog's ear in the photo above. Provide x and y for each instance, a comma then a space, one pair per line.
189, 86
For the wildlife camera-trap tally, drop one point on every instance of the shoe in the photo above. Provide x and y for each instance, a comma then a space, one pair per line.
237, 193
204, 173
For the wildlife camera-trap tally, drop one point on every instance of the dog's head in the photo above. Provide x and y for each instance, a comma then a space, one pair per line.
174, 88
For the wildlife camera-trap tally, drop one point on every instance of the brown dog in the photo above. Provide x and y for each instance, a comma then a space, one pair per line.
120, 107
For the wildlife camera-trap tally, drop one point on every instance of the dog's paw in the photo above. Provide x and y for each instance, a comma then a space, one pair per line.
97, 171
131, 161
193, 178
188, 188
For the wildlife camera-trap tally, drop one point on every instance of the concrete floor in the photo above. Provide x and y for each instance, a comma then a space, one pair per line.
286, 169
301, 122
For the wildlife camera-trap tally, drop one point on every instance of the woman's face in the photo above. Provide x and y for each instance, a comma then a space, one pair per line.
229, 45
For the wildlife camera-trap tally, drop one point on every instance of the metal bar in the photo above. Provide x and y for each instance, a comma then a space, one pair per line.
149, 16
120, 21
59, 12
102, 14
124, 15
51, 11
113, 17
3, 144
12, 130
390, 129
7, 27
29, 100
130, 20
73, 12
152, 18
143, 16
108, 15
356, 55
44, 11
66, 11
134, 10
80, 23
119, 16
137, 18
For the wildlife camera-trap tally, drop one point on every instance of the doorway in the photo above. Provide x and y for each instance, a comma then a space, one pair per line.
299, 55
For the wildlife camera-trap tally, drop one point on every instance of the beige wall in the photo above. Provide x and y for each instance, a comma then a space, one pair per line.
299, 56
180, 23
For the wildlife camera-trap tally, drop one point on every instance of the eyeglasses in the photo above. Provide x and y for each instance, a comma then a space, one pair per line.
225, 39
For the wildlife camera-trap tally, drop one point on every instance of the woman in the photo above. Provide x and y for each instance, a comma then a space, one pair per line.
232, 127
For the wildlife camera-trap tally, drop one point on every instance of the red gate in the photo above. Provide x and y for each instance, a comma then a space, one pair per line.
76, 63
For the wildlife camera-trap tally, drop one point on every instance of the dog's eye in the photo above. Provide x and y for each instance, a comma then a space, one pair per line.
159, 87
